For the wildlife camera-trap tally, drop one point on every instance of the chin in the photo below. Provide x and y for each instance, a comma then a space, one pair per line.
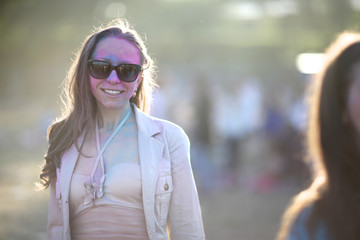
113, 105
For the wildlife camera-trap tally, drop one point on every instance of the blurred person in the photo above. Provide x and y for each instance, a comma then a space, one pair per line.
330, 207
238, 117
114, 172
201, 135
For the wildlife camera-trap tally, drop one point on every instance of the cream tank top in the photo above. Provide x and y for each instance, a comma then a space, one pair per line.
108, 205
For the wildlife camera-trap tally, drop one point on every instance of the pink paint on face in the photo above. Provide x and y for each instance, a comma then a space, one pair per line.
353, 103
112, 93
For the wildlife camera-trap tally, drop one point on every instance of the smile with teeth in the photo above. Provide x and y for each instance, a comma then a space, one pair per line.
112, 92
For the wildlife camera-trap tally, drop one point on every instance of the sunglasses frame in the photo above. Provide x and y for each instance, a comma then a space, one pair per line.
116, 68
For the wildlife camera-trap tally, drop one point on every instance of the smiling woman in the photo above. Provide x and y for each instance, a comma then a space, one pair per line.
114, 172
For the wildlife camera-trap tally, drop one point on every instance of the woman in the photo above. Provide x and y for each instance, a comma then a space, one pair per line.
330, 207
114, 172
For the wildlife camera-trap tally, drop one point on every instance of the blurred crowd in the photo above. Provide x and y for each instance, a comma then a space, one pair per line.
241, 136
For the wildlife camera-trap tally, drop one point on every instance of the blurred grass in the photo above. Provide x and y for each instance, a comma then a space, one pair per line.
235, 214
23, 211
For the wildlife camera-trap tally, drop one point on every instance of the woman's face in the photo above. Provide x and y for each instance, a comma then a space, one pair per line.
353, 101
112, 93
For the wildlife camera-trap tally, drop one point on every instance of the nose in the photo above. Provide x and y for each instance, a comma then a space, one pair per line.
113, 78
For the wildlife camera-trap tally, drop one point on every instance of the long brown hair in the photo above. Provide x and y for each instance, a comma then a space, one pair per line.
333, 148
80, 105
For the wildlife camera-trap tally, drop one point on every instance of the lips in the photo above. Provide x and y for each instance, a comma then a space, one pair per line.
112, 92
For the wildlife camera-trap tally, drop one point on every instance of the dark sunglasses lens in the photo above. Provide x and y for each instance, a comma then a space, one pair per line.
99, 69
128, 72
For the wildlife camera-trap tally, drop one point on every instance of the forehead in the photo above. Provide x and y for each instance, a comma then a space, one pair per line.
116, 50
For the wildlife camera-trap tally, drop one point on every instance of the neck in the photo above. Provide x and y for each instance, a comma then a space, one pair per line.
108, 119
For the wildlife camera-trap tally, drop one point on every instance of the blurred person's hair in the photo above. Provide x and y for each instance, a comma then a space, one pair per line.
79, 112
333, 145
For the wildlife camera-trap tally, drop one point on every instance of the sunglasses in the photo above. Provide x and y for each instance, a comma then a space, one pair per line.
126, 72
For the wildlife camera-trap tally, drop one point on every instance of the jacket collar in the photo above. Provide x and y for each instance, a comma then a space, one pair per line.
147, 129
145, 123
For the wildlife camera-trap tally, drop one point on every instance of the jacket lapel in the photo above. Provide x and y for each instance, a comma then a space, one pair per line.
150, 151
68, 162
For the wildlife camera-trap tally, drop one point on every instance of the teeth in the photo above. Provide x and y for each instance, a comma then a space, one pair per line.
112, 91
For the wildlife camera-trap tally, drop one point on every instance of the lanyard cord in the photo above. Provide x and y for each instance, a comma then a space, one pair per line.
101, 151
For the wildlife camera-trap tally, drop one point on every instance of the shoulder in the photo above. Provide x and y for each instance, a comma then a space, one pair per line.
300, 228
303, 216
170, 127
153, 125
172, 131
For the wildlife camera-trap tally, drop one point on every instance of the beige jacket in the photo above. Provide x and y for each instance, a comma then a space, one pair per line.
169, 193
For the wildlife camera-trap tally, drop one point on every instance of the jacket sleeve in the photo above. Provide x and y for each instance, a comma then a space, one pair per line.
184, 219
55, 222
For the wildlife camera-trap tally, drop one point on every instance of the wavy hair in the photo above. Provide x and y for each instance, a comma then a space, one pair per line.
79, 112
333, 144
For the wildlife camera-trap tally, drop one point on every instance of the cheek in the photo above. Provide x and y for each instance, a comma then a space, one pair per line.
132, 86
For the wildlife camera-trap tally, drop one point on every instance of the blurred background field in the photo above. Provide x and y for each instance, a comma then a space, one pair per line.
228, 74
